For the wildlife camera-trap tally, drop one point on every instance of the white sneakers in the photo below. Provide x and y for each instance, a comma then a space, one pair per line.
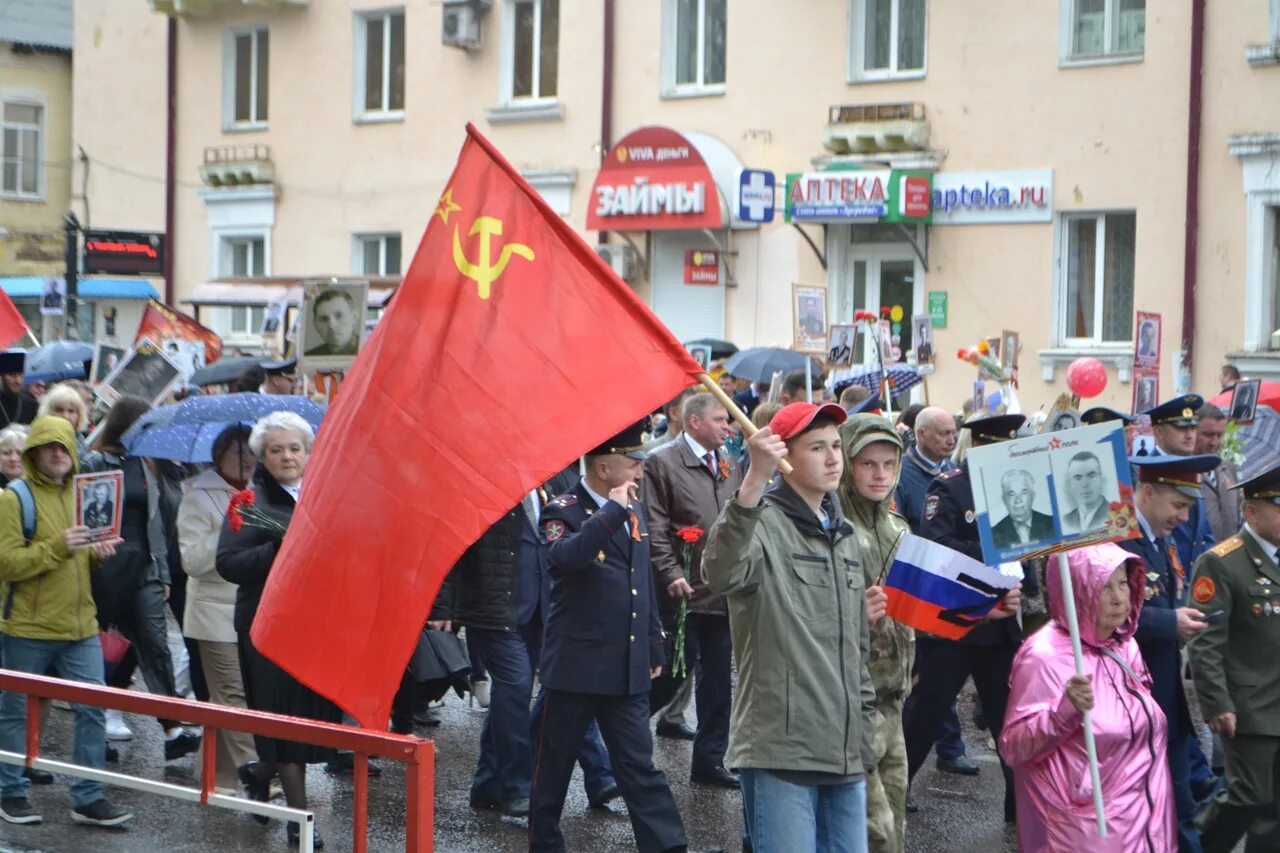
116, 728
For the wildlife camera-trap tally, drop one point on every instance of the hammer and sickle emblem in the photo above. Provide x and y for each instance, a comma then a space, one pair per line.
484, 272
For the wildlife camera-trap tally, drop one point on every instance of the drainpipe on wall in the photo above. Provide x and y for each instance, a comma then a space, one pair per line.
1195, 105
170, 136
606, 95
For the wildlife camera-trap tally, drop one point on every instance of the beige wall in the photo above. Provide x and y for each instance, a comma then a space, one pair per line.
996, 98
34, 244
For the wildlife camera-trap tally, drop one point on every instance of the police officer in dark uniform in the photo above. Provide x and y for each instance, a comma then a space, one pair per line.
1167, 489
603, 646
1237, 672
987, 651
1174, 424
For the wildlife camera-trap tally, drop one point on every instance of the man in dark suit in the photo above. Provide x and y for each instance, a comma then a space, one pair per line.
337, 323
1167, 490
1023, 524
1087, 489
603, 646
987, 651
748, 399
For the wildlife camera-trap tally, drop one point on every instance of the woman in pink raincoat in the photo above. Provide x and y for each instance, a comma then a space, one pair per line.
1043, 737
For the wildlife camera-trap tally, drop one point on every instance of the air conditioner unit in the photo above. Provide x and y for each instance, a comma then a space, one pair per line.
461, 24
621, 259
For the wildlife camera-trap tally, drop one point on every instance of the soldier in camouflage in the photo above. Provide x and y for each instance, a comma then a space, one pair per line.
873, 453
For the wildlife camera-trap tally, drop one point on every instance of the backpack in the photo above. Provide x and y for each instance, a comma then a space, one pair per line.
27, 506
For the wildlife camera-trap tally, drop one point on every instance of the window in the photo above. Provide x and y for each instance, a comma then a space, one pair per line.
694, 46
22, 150
1273, 269
244, 256
377, 254
245, 78
535, 49
380, 65
234, 321
887, 39
1099, 29
1097, 266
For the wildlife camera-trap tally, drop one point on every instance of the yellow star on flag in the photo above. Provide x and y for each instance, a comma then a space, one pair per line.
446, 206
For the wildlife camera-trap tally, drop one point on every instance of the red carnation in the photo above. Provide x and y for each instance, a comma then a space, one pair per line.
690, 534
884, 311
235, 519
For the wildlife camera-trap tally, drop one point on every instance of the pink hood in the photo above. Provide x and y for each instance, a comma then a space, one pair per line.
1090, 569
1043, 737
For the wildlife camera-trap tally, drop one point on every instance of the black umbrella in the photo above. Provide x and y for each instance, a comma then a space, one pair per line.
719, 348
223, 371
758, 364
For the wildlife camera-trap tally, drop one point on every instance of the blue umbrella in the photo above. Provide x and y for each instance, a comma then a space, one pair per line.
56, 361
758, 364
185, 432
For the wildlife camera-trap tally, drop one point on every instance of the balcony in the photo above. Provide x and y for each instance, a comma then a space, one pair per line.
185, 8
237, 166
876, 129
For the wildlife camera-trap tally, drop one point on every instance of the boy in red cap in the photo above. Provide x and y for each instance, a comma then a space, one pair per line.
785, 557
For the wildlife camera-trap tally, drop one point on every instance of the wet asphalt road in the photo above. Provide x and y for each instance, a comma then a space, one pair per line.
956, 813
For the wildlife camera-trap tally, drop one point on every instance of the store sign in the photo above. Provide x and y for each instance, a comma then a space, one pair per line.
701, 266
756, 195
938, 308
123, 253
653, 180
862, 195
977, 198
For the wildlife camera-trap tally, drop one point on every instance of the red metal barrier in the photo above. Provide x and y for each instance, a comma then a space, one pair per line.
417, 755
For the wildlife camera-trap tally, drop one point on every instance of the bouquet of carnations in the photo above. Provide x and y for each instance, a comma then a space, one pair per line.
243, 510
980, 357
689, 536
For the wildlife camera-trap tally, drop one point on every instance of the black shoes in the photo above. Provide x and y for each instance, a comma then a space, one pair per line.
604, 796
717, 776
18, 810
961, 766
184, 744
38, 777
317, 842
679, 731
344, 764
257, 789
100, 813
912, 808
516, 807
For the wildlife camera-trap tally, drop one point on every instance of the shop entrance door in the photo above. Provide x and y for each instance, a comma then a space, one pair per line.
690, 309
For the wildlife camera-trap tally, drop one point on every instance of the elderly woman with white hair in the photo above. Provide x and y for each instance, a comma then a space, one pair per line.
247, 549
12, 439
64, 401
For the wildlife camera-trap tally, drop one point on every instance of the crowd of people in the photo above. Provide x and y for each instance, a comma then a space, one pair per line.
684, 563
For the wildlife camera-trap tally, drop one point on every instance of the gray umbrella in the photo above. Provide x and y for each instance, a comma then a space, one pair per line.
758, 364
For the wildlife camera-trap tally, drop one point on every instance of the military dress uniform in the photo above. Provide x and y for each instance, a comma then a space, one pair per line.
1157, 633
603, 637
1192, 537
1237, 670
986, 652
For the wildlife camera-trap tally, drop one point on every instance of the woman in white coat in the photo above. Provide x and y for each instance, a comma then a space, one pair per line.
211, 600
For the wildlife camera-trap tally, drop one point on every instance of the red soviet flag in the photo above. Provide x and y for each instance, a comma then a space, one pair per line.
509, 350
161, 323
12, 326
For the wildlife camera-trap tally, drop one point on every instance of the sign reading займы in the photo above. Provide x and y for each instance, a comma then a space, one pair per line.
1053, 492
861, 195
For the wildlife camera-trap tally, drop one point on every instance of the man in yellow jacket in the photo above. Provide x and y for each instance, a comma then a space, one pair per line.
48, 617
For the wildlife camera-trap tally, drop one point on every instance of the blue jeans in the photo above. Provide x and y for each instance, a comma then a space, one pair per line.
505, 767
783, 817
79, 660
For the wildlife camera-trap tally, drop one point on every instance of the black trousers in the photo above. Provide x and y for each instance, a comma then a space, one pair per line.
942, 667
709, 645
137, 610
624, 724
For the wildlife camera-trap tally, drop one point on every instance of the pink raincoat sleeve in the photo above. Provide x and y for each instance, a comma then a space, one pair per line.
1040, 717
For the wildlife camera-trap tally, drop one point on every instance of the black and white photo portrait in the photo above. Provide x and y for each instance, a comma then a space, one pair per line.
1023, 523
53, 297
1148, 339
146, 372
922, 324
1144, 393
841, 353
1086, 487
332, 328
1009, 353
1244, 400
105, 359
98, 503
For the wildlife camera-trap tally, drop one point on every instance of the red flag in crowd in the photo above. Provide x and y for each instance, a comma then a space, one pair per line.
162, 323
12, 326
509, 350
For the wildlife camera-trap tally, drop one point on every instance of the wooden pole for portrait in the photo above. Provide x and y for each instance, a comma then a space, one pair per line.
1091, 748
737, 414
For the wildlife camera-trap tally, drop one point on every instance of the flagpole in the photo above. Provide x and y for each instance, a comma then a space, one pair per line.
737, 414
1091, 748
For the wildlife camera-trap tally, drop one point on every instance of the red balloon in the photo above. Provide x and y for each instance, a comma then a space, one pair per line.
1086, 377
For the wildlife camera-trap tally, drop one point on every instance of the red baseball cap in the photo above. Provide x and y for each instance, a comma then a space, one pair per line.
796, 417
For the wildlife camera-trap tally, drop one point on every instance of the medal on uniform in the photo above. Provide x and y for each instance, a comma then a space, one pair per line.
968, 516
1266, 608
1257, 609
1264, 581
600, 557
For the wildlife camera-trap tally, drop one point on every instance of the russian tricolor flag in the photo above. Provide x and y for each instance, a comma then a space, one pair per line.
934, 589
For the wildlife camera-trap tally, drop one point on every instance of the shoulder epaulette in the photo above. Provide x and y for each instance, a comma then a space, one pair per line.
1226, 546
567, 499
948, 475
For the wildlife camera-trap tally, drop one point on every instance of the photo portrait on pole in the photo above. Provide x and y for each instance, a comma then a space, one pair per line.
332, 327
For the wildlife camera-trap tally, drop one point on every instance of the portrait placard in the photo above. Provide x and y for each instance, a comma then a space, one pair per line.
147, 372
1244, 400
99, 503
105, 359
332, 325
841, 352
1009, 354
922, 324
1052, 492
809, 314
